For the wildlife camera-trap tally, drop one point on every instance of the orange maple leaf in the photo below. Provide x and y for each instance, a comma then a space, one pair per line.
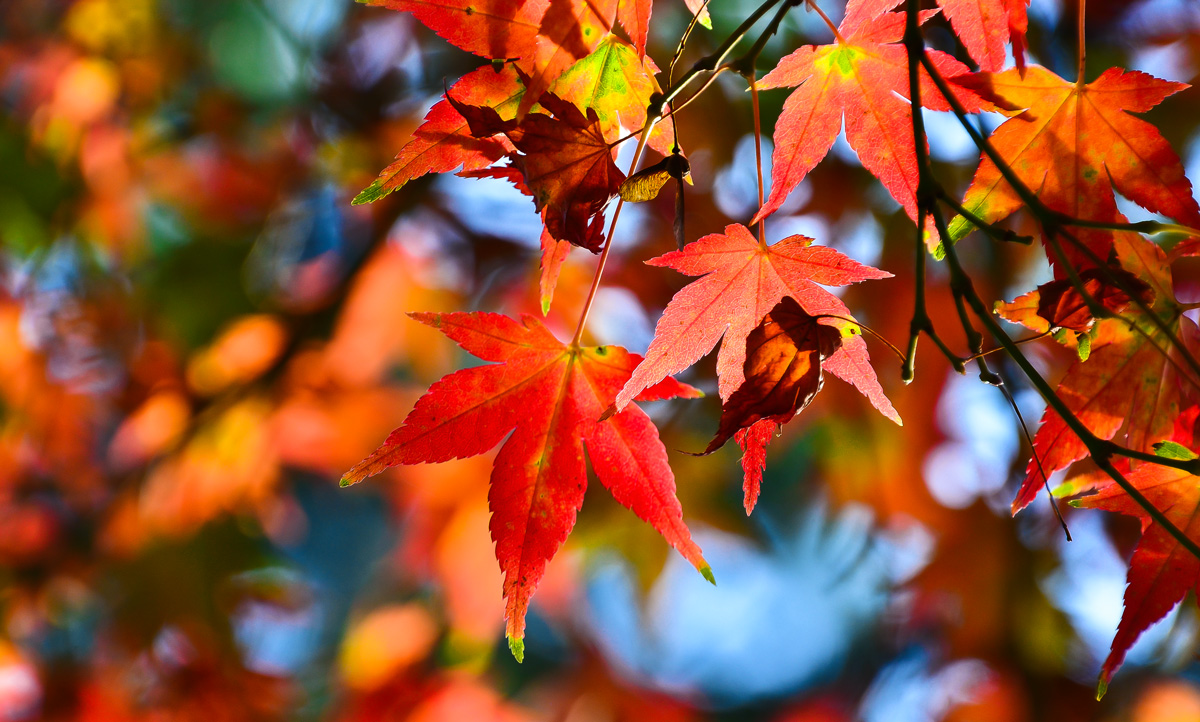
1075, 144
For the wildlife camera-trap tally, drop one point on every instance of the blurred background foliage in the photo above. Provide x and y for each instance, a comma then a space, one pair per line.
199, 333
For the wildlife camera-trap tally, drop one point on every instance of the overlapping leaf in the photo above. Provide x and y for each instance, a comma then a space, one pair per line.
543, 37
570, 31
444, 142
549, 396
634, 16
863, 78
488, 28
1075, 145
740, 282
784, 354
987, 26
1058, 304
616, 83
564, 163
1134, 384
554, 252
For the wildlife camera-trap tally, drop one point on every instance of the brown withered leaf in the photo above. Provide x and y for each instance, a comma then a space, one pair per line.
783, 370
1059, 305
564, 163
1063, 306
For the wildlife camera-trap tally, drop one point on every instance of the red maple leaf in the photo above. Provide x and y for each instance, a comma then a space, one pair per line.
863, 77
740, 282
1161, 571
634, 16
549, 395
553, 254
543, 37
987, 26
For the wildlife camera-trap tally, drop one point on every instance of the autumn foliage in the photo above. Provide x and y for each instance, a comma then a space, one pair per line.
505, 268
1070, 145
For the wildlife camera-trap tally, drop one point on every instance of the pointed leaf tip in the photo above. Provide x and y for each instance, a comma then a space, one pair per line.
516, 645
369, 194
345, 481
1101, 689
706, 572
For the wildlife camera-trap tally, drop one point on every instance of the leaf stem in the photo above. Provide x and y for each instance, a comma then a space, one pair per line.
1018, 342
762, 223
868, 329
1037, 459
612, 227
1080, 80
836, 34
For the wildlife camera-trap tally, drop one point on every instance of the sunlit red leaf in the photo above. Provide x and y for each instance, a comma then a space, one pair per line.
986, 26
740, 283
488, 28
553, 254
549, 396
1161, 571
753, 443
863, 79
634, 16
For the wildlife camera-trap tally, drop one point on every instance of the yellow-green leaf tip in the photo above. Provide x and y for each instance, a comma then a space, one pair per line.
345, 482
372, 192
706, 572
517, 647
1101, 689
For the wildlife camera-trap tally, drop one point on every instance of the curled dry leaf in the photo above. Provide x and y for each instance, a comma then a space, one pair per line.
784, 354
564, 163
1058, 304
647, 182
